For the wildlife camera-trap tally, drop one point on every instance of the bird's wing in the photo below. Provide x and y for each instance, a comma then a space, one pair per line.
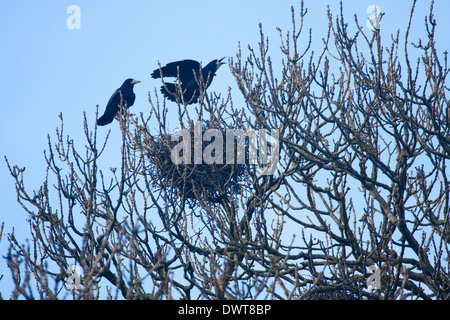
110, 110
185, 68
113, 102
113, 105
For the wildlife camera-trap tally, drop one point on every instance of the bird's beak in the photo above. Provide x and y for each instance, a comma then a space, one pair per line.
135, 81
220, 60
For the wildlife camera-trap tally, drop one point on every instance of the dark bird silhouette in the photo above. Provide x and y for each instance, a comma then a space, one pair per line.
124, 95
188, 72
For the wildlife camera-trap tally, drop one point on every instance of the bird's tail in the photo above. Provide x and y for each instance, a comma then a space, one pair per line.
169, 91
105, 119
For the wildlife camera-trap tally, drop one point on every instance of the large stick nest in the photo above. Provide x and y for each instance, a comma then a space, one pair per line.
202, 181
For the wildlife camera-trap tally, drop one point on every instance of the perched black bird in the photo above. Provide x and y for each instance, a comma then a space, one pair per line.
112, 107
188, 71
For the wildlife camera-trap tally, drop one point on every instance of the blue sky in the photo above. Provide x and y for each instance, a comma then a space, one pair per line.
47, 68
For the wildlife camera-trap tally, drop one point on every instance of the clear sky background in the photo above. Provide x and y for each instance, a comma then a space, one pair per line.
47, 69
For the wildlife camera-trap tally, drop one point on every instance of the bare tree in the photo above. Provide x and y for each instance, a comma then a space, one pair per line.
360, 180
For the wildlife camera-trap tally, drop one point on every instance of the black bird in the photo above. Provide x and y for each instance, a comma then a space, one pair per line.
188, 71
112, 107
